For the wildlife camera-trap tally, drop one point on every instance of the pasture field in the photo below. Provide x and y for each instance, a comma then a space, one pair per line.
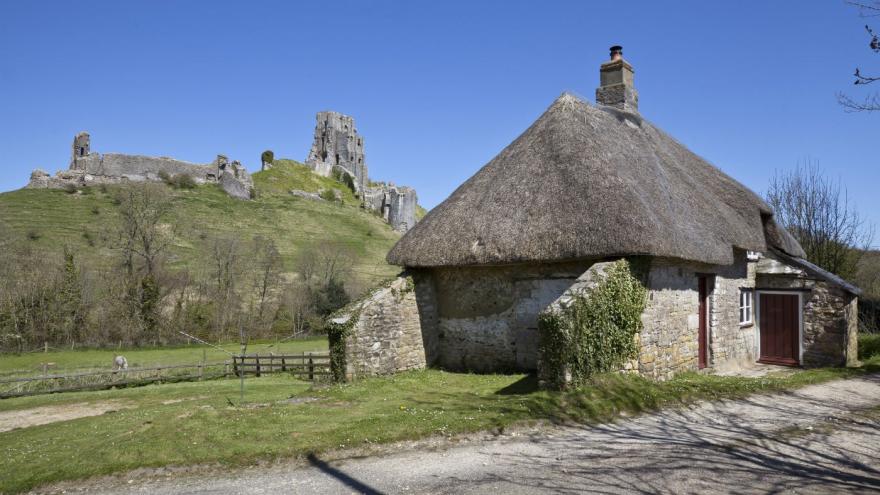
102, 359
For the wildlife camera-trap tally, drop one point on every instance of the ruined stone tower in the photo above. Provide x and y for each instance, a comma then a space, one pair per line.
338, 144
81, 149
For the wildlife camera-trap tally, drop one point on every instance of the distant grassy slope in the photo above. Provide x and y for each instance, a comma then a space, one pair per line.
51, 219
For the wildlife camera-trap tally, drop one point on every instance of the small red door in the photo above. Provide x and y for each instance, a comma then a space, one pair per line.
703, 337
779, 321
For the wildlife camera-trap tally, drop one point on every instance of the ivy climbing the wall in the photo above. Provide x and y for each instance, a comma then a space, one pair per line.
337, 333
595, 332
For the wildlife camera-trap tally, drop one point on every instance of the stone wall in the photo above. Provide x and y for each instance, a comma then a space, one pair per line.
669, 341
88, 168
830, 317
387, 336
731, 345
487, 317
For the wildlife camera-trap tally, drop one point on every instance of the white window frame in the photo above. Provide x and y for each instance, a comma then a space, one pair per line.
746, 307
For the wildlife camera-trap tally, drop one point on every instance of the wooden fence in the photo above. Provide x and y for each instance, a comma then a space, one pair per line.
309, 366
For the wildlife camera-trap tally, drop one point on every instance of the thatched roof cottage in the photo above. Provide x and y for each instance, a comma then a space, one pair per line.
583, 186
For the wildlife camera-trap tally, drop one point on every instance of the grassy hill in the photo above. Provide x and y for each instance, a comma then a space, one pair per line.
52, 219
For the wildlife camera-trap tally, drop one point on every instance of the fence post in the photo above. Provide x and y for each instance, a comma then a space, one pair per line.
226, 369
200, 371
257, 361
283, 364
311, 368
235, 365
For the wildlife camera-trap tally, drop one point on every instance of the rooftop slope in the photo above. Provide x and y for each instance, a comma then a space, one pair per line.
586, 182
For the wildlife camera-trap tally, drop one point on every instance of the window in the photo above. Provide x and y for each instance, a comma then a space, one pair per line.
745, 307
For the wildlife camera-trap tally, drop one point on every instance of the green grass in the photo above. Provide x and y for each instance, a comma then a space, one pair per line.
290, 174
56, 219
11, 364
192, 423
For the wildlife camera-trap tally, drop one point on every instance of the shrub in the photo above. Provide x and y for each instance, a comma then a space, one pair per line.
71, 188
253, 193
328, 195
348, 180
33, 235
96, 210
596, 332
166, 177
183, 181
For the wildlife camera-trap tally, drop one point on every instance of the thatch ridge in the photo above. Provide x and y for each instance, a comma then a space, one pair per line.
592, 182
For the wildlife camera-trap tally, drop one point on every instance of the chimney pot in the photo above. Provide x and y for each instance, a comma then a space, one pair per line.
616, 52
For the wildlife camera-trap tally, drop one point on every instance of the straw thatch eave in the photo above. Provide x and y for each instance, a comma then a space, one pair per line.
586, 182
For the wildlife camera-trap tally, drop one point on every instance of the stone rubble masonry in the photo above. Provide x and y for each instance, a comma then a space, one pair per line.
830, 316
338, 145
484, 319
89, 168
388, 335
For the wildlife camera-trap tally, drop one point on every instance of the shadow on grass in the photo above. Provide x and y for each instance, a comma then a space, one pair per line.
526, 385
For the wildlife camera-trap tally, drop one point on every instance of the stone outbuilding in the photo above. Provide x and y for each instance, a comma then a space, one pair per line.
583, 186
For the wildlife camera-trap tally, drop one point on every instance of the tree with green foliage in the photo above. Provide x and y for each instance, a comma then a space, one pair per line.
267, 158
330, 297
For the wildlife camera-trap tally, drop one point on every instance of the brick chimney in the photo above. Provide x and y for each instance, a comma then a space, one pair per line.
616, 87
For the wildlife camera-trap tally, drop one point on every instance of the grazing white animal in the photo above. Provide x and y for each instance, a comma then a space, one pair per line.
120, 363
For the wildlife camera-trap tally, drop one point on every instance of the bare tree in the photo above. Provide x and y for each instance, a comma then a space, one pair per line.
298, 302
142, 239
267, 273
228, 260
872, 101
817, 211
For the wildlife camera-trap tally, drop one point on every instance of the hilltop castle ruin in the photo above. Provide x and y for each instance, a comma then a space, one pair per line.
339, 147
90, 168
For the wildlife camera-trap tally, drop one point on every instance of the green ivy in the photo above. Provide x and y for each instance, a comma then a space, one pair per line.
337, 334
596, 332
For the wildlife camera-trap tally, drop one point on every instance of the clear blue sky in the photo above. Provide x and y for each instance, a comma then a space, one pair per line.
437, 88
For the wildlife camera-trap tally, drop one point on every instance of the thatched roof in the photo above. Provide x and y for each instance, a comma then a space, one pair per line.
592, 182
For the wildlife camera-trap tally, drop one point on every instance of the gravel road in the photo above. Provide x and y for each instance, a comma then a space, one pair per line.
819, 439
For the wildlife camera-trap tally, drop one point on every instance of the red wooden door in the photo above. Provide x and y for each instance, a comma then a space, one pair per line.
779, 322
702, 338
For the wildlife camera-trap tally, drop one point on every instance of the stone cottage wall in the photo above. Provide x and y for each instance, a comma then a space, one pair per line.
387, 336
830, 319
730, 344
488, 316
669, 341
